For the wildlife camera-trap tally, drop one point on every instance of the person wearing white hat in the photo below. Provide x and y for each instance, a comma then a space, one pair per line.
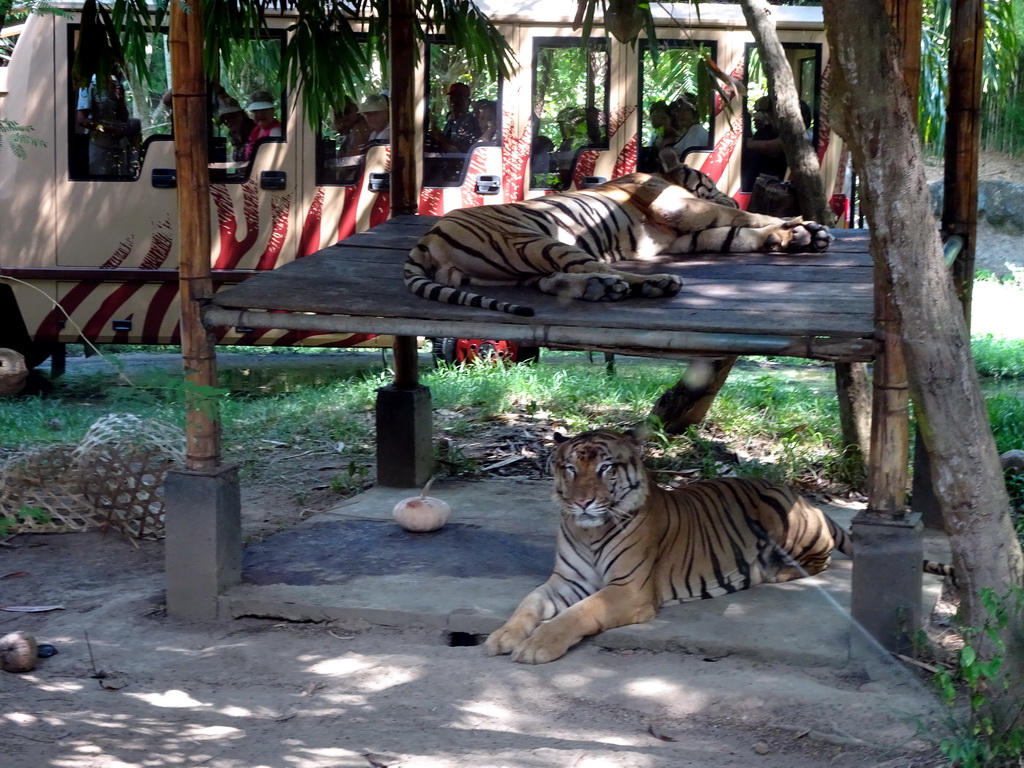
240, 126
261, 107
376, 111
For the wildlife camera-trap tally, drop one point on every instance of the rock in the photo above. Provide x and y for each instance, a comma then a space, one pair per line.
761, 748
1012, 460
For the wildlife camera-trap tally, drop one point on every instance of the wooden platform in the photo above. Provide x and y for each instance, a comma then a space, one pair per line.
817, 306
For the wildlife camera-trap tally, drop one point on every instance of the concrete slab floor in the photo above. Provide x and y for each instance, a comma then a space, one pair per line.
354, 562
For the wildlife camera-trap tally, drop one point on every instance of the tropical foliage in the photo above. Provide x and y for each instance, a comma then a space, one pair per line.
1002, 75
332, 45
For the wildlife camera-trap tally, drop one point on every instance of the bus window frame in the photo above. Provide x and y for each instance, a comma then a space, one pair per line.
540, 43
217, 175
468, 156
819, 51
694, 45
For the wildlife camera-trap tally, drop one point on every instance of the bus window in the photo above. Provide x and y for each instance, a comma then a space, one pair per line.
457, 99
570, 107
112, 121
677, 100
762, 150
246, 107
361, 121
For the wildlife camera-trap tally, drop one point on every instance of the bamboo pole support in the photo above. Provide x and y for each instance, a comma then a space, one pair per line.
963, 116
405, 148
188, 92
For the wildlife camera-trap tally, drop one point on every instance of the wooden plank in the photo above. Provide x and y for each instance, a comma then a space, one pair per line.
820, 304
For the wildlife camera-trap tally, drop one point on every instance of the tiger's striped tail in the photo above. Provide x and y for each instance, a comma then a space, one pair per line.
844, 543
418, 280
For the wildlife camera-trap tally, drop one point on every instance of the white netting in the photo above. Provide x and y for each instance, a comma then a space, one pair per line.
114, 477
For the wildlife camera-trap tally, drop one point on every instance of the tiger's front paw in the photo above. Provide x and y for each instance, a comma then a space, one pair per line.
808, 236
504, 640
533, 652
657, 286
547, 643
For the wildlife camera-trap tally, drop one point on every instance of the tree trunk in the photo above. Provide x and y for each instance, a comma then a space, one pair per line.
803, 163
852, 381
689, 400
875, 115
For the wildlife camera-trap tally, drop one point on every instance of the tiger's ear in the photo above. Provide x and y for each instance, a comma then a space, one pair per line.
560, 438
640, 432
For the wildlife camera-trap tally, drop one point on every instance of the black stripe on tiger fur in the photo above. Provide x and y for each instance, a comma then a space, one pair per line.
627, 546
565, 244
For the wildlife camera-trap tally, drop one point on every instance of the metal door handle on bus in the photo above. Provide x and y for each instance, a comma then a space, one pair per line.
273, 180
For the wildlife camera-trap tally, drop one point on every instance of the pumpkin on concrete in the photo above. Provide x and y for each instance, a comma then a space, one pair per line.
422, 513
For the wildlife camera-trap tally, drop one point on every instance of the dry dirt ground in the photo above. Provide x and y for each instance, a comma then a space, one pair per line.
132, 688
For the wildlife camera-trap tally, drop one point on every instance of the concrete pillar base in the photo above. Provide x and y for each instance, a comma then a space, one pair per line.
887, 583
203, 546
405, 455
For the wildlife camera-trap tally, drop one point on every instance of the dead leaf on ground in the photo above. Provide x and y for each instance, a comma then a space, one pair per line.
660, 736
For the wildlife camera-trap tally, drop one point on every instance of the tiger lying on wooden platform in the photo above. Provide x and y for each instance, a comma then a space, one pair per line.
564, 244
626, 546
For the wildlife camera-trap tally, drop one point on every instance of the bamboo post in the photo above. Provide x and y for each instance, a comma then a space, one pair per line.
404, 410
203, 548
887, 582
960, 202
404, 146
188, 92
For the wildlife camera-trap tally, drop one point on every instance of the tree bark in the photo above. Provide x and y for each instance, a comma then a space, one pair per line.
875, 115
803, 163
689, 400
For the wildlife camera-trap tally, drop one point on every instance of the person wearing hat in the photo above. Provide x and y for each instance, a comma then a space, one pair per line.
376, 112
239, 125
261, 107
103, 113
686, 123
462, 129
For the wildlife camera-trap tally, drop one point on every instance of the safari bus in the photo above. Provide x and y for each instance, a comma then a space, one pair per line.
88, 220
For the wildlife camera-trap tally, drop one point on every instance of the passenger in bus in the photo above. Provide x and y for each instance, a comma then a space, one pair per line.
685, 123
486, 111
261, 107
461, 129
103, 113
376, 111
660, 135
763, 152
351, 131
238, 124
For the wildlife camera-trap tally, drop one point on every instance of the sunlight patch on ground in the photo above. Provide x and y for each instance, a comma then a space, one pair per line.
173, 699
998, 310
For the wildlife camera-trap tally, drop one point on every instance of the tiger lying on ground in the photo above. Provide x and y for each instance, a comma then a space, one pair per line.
564, 243
626, 546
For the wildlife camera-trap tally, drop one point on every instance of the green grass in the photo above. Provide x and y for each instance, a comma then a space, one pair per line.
775, 417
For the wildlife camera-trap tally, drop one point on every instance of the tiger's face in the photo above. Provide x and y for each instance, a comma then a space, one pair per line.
599, 478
